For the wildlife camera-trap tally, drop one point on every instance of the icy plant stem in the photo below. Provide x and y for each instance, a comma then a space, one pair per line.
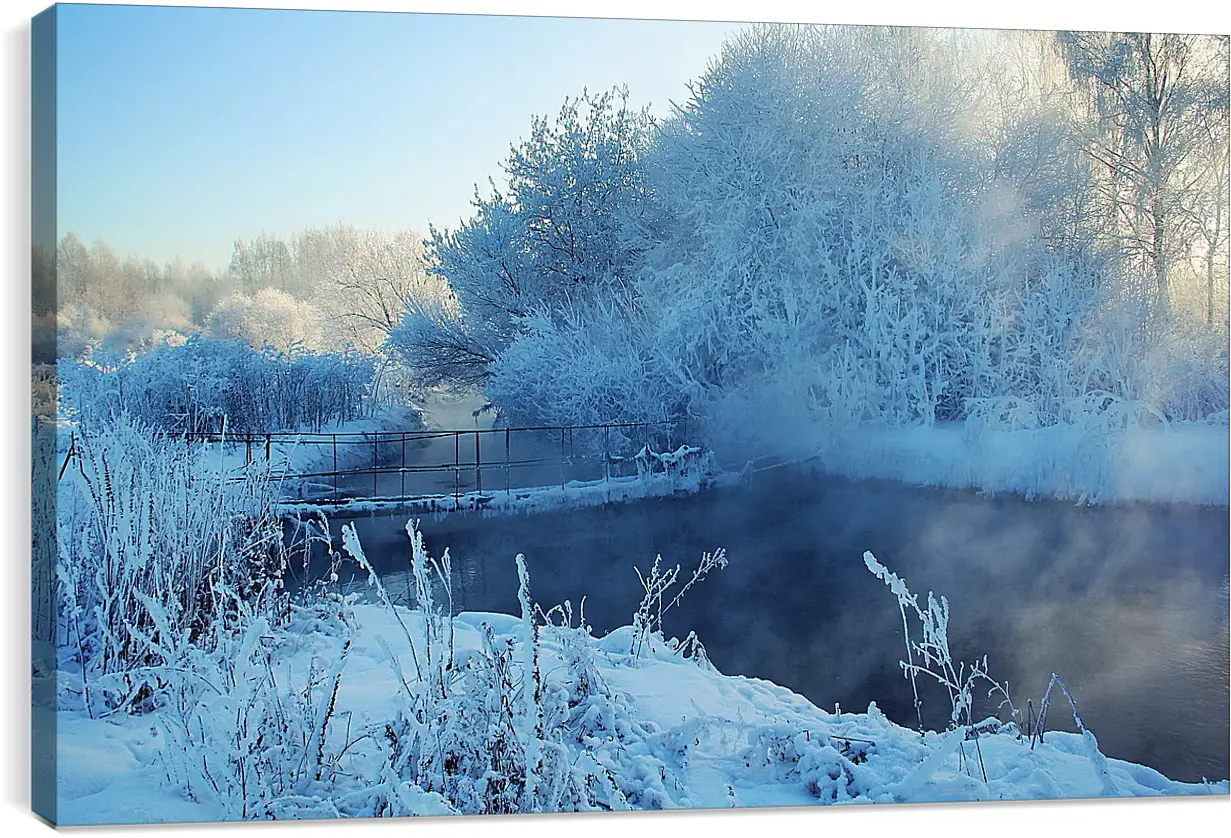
350, 543
531, 718
904, 597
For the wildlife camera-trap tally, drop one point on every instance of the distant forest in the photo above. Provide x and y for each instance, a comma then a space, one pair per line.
321, 289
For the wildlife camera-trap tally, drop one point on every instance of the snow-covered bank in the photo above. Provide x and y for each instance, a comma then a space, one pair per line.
654, 730
687, 469
1186, 463
310, 456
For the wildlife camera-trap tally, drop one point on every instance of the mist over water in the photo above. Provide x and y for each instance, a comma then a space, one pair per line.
1128, 603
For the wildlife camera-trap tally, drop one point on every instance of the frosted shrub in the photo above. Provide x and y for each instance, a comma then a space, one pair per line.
210, 385
1187, 375
1002, 413
589, 363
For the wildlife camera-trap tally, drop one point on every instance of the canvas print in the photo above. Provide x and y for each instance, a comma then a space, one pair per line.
456, 414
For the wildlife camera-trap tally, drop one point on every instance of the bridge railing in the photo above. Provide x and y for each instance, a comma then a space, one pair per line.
331, 467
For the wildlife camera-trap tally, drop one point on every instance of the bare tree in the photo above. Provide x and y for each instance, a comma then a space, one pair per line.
373, 277
1149, 103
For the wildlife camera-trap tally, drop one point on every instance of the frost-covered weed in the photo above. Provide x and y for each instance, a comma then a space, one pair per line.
657, 584
45, 463
493, 730
930, 656
249, 732
172, 605
150, 539
932, 651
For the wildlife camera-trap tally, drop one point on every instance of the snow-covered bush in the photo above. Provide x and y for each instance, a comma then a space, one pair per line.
586, 364
1186, 374
209, 385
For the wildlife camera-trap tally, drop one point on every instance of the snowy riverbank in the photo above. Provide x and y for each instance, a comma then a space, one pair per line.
654, 731
1180, 463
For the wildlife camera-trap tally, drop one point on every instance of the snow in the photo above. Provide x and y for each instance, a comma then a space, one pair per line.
290, 458
714, 740
687, 469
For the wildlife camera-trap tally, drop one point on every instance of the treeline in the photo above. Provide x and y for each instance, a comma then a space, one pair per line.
89, 295
323, 289
845, 225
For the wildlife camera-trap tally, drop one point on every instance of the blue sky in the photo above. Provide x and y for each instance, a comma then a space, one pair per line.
180, 129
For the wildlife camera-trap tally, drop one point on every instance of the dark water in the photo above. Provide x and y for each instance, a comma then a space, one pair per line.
1128, 604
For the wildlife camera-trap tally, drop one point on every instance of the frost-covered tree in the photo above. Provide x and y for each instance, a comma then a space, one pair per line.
365, 280
839, 226
838, 237
566, 228
264, 261
269, 318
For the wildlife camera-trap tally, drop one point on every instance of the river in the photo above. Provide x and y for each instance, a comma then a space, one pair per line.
1127, 603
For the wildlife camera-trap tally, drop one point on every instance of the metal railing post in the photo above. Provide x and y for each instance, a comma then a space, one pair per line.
457, 467
375, 460
403, 471
606, 453
335, 467
507, 465
562, 480
478, 466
